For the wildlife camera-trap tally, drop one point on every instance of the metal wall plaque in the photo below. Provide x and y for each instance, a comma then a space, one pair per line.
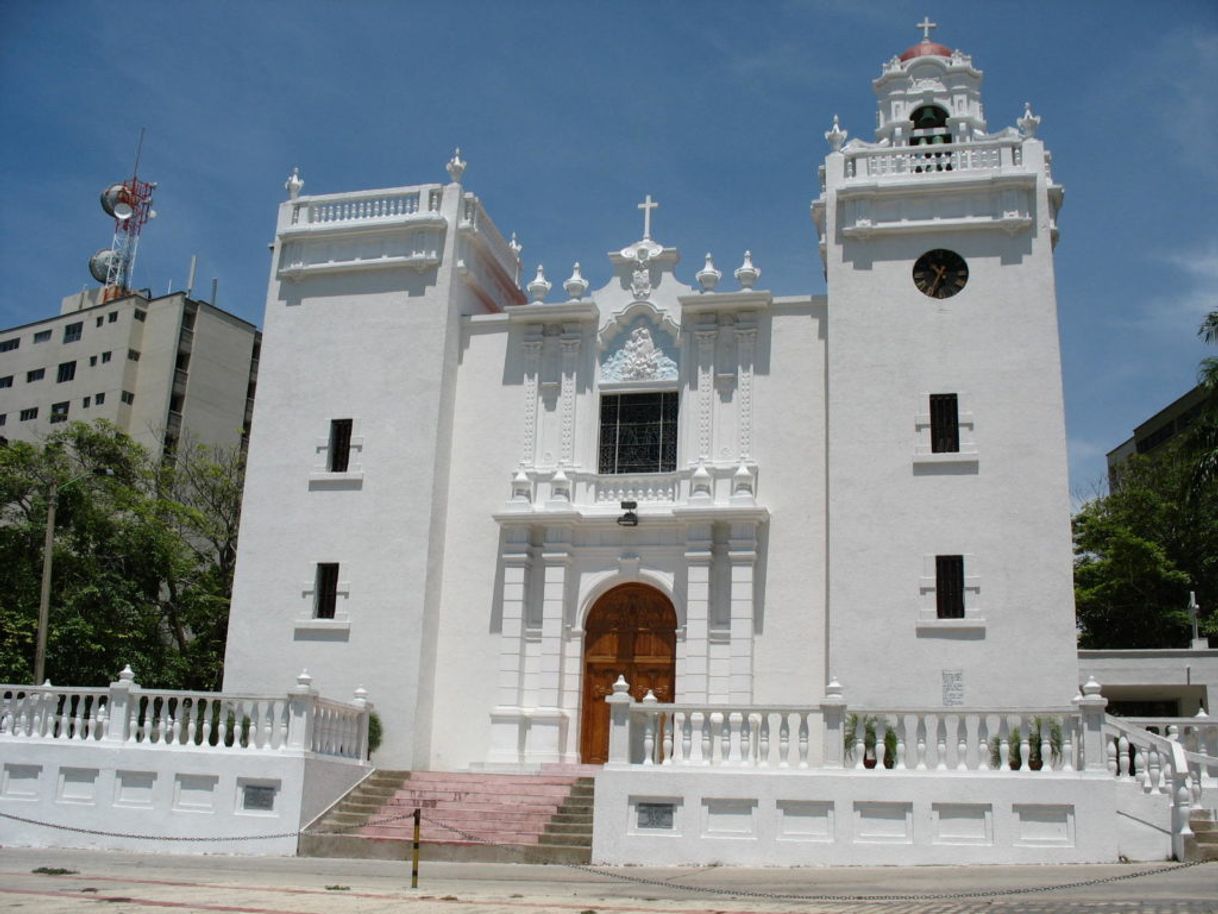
655, 815
258, 797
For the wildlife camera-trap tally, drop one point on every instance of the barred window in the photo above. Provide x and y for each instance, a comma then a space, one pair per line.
71, 333
639, 432
949, 586
944, 424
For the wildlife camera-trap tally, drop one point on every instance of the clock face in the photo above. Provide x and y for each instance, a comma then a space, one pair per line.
940, 273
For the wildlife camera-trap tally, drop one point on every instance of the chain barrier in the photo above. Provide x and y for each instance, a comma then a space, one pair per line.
638, 880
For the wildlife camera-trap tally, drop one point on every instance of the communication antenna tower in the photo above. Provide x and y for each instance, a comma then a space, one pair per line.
130, 204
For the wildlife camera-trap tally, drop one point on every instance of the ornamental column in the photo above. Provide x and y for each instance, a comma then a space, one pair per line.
531, 349
706, 337
570, 354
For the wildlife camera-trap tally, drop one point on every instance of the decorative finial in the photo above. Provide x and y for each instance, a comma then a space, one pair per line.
516, 247
746, 274
539, 288
926, 25
304, 680
708, 277
455, 166
1029, 122
620, 685
647, 206
294, 183
576, 285
836, 135
127, 675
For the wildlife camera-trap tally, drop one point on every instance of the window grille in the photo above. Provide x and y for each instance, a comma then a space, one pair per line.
639, 432
944, 424
340, 445
71, 333
949, 586
67, 371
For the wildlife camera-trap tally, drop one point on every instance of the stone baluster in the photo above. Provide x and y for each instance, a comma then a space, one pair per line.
1155, 772
784, 741
667, 722
1067, 744
1046, 744
763, 755
1139, 767
1025, 744
1004, 745
360, 700
1123, 757
961, 743
687, 734
940, 743
983, 742
881, 749
649, 727
803, 741
707, 744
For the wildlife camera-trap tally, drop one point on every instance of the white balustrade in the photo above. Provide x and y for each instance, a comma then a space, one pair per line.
362, 209
928, 161
474, 216
163, 719
648, 487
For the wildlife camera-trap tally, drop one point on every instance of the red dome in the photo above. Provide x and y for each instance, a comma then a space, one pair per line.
926, 49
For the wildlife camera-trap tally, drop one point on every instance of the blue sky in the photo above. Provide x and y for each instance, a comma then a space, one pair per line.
568, 113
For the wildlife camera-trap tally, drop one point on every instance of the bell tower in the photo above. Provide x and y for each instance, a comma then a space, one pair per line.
949, 531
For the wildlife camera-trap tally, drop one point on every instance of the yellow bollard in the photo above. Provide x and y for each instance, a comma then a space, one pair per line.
414, 855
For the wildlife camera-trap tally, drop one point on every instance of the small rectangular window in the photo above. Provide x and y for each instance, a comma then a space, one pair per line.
100, 399
92, 360
28, 414
71, 333
105, 357
112, 317
326, 590
67, 371
949, 586
36, 375
139, 315
944, 424
128, 397
59, 412
258, 797
3, 418
84, 404
42, 336
340, 445
10, 345
133, 355
6, 381
100, 321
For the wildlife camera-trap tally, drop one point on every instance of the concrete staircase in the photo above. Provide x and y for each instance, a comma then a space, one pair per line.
1204, 843
472, 816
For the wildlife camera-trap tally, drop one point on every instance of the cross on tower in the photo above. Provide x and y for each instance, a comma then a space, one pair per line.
926, 25
647, 206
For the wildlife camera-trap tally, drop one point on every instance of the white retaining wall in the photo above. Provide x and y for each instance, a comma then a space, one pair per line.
794, 818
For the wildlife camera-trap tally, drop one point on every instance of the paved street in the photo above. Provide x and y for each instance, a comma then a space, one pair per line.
138, 882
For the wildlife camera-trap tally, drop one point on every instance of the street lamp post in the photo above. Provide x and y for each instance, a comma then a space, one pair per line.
44, 602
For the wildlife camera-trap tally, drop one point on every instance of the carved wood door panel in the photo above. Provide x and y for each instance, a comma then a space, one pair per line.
631, 632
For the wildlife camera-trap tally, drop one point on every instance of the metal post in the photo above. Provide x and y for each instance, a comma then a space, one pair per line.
44, 602
414, 853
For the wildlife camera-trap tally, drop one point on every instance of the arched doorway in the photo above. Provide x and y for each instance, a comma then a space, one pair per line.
631, 632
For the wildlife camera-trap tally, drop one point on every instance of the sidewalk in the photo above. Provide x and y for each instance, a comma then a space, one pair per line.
142, 882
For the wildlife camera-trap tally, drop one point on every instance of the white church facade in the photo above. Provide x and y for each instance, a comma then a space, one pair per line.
485, 504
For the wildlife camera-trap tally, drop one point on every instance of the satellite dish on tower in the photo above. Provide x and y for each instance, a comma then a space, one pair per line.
116, 201
99, 265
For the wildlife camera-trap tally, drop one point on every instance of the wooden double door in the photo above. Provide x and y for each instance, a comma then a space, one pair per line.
631, 632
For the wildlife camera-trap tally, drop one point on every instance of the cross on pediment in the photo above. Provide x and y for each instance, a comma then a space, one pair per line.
926, 25
647, 206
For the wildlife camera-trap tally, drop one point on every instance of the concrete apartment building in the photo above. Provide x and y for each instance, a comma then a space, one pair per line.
161, 369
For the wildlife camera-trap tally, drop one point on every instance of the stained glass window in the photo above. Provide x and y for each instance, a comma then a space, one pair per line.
639, 432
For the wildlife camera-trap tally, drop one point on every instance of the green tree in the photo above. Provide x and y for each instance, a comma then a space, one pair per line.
136, 578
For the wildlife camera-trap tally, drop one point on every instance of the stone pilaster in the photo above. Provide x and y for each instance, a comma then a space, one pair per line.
532, 368
746, 341
693, 664
706, 388
570, 356
742, 556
